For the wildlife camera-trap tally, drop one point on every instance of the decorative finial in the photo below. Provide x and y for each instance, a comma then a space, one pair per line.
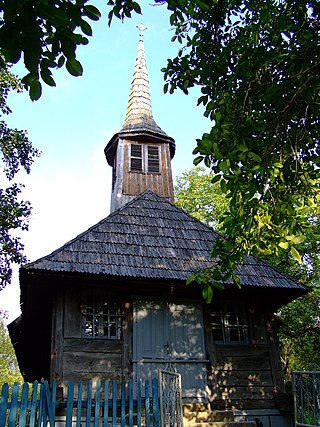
141, 27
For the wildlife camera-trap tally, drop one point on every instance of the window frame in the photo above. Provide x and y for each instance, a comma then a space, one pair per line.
102, 316
229, 323
146, 161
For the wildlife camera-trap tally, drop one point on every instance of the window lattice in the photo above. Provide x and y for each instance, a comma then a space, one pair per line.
153, 159
229, 324
101, 317
144, 158
136, 158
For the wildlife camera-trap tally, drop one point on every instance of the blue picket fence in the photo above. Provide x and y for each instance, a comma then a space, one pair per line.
109, 403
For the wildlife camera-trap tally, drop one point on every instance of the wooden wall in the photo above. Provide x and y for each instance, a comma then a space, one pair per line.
239, 376
128, 184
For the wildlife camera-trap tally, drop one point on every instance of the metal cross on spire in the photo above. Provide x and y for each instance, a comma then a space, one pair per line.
141, 27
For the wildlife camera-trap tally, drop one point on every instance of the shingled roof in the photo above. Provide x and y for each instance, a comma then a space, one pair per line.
151, 238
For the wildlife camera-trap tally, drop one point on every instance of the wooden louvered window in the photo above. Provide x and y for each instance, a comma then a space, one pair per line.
153, 159
101, 317
144, 158
136, 158
229, 324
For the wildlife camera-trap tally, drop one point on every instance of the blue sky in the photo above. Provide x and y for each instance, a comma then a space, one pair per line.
69, 185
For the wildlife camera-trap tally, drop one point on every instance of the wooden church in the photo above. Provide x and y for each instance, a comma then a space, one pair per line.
113, 302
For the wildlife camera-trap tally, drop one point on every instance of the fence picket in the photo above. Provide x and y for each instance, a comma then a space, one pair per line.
23, 405
33, 405
97, 405
108, 403
4, 404
79, 404
114, 403
70, 393
13, 406
89, 403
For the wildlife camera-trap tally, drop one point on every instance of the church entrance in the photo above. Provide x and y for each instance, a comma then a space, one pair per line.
169, 336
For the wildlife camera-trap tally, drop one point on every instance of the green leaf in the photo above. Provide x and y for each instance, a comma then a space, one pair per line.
190, 279
92, 12
295, 254
207, 293
197, 160
35, 90
74, 67
85, 27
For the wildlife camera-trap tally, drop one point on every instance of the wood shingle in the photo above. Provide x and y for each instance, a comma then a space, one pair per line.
151, 238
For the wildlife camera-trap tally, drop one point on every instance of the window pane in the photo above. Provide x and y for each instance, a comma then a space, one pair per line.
136, 158
153, 159
101, 317
229, 324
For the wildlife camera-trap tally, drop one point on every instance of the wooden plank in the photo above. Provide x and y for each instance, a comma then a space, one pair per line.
274, 351
244, 378
69, 411
13, 405
252, 393
75, 345
254, 360
139, 402
23, 405
155, 402
89, 403
33, 404
97, 404
127, 339
90, 363
56, 368
123, 404
147, 402
4, 404
114, 403
130, 397
79, 404
72, 314
106, 404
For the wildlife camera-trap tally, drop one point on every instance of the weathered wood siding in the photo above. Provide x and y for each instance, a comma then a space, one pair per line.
135, 183
247, 376
75, 357
239, 376
128, 184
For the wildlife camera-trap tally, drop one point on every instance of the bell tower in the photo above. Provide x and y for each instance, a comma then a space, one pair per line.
140, 154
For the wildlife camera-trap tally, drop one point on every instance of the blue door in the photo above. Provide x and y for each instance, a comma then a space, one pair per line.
169, 335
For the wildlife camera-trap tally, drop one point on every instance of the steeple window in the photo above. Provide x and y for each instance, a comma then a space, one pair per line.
136, 158
153, 159
144, 158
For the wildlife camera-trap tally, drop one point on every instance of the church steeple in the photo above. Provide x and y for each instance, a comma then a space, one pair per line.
141, 152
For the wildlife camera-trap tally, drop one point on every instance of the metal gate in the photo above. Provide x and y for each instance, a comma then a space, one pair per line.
170, 399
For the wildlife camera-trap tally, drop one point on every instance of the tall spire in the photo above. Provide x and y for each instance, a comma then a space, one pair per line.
139, 104
140, 153
139, 116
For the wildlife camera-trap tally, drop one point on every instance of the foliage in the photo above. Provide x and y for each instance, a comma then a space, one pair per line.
9, 369
299, 333
47, 35
197, 195
16, 153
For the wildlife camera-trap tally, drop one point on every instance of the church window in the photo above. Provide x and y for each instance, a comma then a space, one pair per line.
144, 158
229, 324
153, 159
101, 317
136, 158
